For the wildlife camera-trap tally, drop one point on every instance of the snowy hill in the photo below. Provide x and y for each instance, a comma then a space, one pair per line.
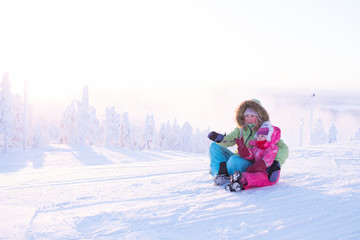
59, 192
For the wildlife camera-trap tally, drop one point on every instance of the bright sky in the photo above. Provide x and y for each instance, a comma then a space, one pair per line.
166, 55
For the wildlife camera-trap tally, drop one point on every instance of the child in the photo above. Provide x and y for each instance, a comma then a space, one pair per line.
265, 170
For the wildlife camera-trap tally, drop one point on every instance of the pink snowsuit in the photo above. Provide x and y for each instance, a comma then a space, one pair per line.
260, 179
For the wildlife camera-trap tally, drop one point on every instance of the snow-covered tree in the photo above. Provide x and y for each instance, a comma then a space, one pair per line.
30, 126
54, 133
185, 138
318, 136
168, 137
161, 135
124, 133
94, 130
135, 138
7, 116
112, 126
200, 143
149, 130
17, 128
68, 124
172, 137
39, 134
79, 124
357, 135
333, 134
175, 135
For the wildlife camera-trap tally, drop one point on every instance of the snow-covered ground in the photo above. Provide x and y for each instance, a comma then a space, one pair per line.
61, 192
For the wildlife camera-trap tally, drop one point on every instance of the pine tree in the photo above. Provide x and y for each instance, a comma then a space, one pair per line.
318, 136
112, 126
161, 136
68, 124
168, 137
79, 124
357, 135
185, 138
175, 135
6, 116
149, 130
94, 130
134, 140
17, 128
125, 131
333, 134
200, 143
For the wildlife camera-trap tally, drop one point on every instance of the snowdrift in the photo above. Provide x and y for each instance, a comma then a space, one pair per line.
62, 192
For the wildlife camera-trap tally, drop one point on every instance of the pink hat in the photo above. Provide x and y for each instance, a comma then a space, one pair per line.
263, 131
266, 129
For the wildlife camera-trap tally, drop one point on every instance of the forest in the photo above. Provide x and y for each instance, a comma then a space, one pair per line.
80, 126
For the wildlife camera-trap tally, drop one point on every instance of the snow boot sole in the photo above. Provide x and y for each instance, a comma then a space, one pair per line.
234, 187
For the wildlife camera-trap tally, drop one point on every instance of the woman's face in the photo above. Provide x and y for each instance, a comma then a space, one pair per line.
250, 119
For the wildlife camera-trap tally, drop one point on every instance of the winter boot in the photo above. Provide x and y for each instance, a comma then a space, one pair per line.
234, 187
235, 177
223, 176
221, 179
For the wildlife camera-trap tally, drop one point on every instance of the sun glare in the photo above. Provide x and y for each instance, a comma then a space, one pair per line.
126, 48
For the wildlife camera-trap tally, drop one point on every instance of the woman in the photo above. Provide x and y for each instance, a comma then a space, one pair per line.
249, 116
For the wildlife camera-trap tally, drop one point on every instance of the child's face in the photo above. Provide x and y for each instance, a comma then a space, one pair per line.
261, 137
250, 119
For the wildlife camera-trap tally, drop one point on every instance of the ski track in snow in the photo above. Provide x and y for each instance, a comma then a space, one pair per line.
61, 192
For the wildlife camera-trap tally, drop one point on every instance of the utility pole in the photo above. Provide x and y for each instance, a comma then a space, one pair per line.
311, 111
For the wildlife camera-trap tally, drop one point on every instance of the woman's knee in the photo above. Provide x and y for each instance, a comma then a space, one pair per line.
237, 163
218, 150
214, 146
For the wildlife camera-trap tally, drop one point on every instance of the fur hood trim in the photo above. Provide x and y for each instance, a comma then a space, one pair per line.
254, 105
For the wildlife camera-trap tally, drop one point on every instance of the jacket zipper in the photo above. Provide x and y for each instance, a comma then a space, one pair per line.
248, 136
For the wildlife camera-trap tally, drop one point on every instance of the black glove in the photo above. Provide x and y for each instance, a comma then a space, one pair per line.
216, 137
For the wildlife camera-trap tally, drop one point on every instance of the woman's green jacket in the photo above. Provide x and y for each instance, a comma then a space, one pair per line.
248, 134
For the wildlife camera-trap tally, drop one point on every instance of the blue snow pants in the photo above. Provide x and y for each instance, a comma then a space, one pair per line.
220, 154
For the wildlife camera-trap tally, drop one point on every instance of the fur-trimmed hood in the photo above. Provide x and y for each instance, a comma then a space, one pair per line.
254, 105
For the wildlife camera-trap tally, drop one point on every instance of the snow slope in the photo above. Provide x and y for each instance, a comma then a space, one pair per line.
59, 192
